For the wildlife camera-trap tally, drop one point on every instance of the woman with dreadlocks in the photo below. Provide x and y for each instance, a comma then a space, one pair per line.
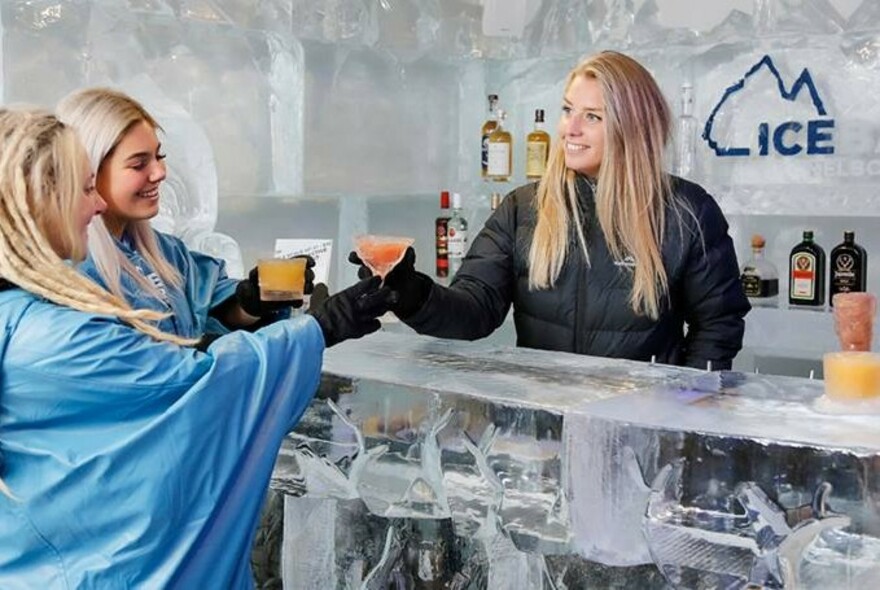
126, 459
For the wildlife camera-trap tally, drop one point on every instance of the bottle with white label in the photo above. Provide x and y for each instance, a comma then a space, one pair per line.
456, 236
537, 148
500, 152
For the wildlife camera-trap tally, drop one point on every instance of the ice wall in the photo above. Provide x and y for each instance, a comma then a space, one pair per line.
432, 463
326, 118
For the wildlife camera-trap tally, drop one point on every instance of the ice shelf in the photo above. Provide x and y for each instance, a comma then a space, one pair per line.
428, 463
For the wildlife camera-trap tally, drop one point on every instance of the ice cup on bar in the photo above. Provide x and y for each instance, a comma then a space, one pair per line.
853, 374
854, 320
381, 253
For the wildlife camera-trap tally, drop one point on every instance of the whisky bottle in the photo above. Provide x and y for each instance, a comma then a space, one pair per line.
537, 148
806, 273
488, 128
686, 142
760, 279
457, 235
849, 267
500, 152
440, 233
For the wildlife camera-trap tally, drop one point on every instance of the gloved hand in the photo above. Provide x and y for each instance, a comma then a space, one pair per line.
247, 293
412, 287
352, 312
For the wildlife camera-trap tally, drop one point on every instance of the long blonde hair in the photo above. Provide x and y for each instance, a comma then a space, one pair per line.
632, 193
41, 180
102, 117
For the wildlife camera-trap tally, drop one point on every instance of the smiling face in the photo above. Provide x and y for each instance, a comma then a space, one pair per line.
129, 177
582, 126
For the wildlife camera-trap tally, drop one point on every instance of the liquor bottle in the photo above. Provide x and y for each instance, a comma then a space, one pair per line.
500, 152
760, 279
457, 235
686, 144
849, 267
537, 148
806, 273
488, 128
495, 200
440, 231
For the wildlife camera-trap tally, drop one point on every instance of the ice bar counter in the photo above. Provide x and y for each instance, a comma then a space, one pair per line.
429, 463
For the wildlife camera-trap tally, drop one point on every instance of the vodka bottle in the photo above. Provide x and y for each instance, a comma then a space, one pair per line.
457, 235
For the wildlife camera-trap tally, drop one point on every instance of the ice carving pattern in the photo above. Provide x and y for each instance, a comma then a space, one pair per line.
498, 468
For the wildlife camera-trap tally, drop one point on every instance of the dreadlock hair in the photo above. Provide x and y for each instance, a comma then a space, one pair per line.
41, 177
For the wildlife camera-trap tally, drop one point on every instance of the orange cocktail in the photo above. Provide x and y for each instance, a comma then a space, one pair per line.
282, 279
381, 253
851, 376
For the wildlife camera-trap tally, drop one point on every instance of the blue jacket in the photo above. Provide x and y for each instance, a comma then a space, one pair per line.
205, 286
135, 463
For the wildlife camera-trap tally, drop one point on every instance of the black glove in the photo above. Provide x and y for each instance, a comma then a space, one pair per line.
247, 293
352, 312
412, 287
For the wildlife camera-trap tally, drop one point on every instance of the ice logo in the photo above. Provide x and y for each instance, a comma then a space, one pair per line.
785, 139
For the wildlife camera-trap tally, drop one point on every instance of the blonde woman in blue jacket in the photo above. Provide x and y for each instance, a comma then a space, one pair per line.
148, 268
126, 459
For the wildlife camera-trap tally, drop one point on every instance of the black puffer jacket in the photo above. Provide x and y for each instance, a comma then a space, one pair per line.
588, 311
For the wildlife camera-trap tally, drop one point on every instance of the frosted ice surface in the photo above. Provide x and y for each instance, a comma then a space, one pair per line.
620, 464
774, 17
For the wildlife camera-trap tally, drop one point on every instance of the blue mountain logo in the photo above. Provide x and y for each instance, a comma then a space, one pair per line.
786, 138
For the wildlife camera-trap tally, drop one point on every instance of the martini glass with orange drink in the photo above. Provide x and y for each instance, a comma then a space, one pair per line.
381, 253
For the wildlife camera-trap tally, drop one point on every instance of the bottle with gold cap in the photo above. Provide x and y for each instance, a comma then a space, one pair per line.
500, 152
537, 148
760, 279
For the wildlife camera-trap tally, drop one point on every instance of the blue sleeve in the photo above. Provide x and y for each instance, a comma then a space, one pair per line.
206, 284
137, 463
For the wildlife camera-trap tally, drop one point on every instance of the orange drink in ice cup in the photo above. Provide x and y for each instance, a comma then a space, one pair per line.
282, 279
851, 376
381, 253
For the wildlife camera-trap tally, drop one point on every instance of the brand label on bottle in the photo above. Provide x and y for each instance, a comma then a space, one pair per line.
844, 278
758, 288
457, 243
484, 157
803, 276
498, 159
441, 247
536, 159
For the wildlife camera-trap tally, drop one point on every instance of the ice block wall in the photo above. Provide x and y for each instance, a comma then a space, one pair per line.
327, 118
439, 464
